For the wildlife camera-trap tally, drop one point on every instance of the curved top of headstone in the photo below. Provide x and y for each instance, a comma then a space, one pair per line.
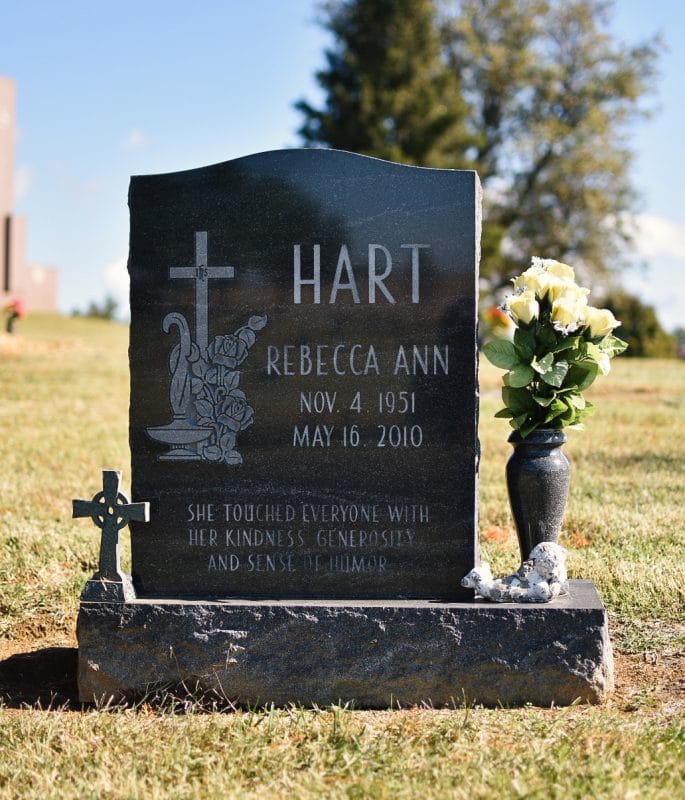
299, 156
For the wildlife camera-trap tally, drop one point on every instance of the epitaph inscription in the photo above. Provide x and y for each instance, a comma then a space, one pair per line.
352, 306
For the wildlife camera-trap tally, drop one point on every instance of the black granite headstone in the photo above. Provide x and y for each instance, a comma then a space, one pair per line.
304, 426
304, 395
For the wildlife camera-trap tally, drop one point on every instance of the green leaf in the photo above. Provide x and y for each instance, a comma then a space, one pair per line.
556, 409
520, 376
524, 341
546, 339
555, 376
517, 399
577, 426
544, 364
543, 401
582, 374
597, 354
567, 343
612, 345
588, 411
524, 430
570, 414
518, 421
501, 353
592, 351
504, 413
604, 364
576, 400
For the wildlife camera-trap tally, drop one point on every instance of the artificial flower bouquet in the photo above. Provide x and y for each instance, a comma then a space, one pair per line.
560, 345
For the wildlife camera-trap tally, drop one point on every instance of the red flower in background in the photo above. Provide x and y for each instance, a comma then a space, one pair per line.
495, 316
16, 307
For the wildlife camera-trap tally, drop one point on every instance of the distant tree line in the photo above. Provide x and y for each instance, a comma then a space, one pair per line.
107, 309
640, 327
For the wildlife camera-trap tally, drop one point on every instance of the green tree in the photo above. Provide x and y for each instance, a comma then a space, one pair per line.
389, 92
551, 95
539, 99
105, 310
640, 327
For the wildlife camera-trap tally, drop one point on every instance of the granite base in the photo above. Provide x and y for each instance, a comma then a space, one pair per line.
372, 654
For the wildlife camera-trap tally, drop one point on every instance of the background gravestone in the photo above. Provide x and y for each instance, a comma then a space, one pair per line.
303, 378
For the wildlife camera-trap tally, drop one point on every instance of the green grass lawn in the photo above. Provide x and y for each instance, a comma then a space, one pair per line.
64, 415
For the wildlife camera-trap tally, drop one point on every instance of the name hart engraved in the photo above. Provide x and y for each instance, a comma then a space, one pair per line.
378, 268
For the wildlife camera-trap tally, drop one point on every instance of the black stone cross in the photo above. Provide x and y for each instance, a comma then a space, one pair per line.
202, 275
111, 511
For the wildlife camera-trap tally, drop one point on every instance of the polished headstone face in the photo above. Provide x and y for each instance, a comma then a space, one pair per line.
304, 392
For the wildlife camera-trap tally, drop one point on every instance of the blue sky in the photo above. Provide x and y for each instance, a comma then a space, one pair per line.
107, 90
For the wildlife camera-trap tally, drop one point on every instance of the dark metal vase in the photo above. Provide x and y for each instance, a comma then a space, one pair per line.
538, 477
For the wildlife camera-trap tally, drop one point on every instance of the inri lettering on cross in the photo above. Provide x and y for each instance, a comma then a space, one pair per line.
110, 511
202, 275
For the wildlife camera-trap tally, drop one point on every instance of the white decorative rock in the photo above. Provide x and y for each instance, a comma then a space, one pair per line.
540, 579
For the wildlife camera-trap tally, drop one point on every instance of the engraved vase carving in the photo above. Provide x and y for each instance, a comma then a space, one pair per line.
538, 477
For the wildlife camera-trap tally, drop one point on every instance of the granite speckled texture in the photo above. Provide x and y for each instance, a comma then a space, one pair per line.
538, 479
344, 409
375, 654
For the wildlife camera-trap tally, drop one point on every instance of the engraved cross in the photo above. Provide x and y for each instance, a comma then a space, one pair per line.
110, 511
202, 273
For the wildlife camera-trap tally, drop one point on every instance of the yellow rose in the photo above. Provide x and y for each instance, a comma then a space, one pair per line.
568, 311
524, 307
600, 321
558, 269
548, 278
558, 288
533, 279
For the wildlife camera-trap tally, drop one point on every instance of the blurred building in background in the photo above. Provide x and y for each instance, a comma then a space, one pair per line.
35, 286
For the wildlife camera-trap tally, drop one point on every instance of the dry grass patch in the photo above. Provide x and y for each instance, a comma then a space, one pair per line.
339, 753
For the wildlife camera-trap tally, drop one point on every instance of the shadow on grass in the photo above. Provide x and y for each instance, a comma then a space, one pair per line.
46, 679
41, 679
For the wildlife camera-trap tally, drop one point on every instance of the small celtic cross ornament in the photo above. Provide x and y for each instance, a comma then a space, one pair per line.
111, 511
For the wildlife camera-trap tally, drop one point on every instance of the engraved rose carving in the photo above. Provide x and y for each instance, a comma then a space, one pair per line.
235, 413
219, 402
227, 351
209, 408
